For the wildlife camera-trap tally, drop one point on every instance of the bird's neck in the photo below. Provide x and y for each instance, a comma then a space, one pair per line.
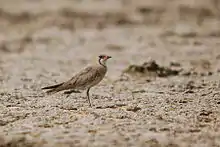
102, 62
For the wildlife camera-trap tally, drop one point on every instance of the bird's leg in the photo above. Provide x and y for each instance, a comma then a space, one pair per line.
87, 92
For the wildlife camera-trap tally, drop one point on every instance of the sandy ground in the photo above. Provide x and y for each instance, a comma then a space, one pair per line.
172, 103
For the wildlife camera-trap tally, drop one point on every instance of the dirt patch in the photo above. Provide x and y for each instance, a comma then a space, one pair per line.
152, 68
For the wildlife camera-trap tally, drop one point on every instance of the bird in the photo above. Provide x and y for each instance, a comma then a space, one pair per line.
83, 80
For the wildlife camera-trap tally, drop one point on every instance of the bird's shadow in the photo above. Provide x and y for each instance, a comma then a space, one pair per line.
71, 91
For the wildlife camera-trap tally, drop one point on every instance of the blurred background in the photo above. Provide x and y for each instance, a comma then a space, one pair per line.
138, 29
26, 21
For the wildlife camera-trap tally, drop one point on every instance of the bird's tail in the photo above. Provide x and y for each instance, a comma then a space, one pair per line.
53, 86
52, 89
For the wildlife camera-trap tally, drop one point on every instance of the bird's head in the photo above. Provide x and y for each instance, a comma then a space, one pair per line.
103, 59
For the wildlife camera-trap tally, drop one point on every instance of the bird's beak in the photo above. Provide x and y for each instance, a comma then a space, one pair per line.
109, 57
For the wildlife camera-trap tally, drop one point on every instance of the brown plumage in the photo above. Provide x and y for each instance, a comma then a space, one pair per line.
85, 79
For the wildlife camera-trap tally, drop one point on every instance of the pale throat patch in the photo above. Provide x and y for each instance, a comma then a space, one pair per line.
103, 61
